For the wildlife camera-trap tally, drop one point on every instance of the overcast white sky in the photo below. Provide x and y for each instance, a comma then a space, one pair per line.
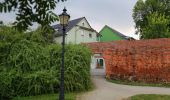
114, 13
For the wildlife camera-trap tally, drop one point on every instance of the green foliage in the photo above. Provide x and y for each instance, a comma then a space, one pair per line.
23, 56
144, 10
36, 36
134, 83
7, 36
77, 70
150, 97
157, 27
29, 11
70, 96
32, 67
46, 32
5, 86
4, 49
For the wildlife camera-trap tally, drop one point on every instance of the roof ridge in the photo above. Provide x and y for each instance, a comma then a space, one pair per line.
72, 20
71, 24
116, 31
77, 19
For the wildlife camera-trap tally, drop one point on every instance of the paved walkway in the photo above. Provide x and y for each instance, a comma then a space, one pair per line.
109, 91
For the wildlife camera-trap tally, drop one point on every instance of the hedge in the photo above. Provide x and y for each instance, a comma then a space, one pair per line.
29, 68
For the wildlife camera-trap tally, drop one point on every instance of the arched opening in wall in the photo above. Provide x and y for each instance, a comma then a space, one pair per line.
98, 65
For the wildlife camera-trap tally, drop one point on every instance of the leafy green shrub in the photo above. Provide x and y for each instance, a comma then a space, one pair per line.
5, 86
27, 56
41, 82
7, 36
78, 60
34, 69
4, 51
77, 66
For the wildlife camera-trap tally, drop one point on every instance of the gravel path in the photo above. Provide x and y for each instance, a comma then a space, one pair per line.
109, 91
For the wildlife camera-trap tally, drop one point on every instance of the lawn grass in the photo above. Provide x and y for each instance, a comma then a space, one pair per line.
71, 96
150, 97
125, 82
68, 96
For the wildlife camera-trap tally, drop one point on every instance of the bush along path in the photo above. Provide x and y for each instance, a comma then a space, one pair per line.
105, 90
32, 67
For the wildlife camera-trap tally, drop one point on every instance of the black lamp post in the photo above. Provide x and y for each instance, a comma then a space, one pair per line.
64, 19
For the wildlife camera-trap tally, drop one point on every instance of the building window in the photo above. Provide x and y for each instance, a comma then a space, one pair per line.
83, 24
82, 33
90, 35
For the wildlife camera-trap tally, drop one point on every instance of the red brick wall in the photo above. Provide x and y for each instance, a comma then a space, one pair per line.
141, 60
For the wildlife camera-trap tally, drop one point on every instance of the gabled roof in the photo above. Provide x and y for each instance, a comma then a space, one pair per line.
71, 24
116, 32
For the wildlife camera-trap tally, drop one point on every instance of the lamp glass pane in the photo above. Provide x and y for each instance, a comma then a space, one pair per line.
64, 20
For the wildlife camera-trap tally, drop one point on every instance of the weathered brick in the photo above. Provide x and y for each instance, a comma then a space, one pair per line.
140, 60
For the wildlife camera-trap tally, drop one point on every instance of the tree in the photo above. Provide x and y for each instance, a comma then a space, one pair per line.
157, 27
29, 11
144, 9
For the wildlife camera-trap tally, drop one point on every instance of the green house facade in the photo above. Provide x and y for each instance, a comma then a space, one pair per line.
108, 34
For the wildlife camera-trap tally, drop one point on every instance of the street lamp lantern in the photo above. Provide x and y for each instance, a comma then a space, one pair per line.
64, 19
